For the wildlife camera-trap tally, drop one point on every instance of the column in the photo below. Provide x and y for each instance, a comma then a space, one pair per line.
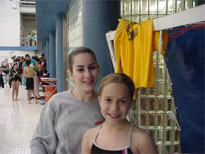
59, 54
47, 56
52, 60
99, 17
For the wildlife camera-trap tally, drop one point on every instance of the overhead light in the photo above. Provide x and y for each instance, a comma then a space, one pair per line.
14, 5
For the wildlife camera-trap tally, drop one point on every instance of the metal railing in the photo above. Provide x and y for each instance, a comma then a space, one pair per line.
27, 3
28, 42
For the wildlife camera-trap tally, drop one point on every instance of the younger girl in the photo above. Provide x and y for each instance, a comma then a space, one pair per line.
14, 79
116, 135
68, 114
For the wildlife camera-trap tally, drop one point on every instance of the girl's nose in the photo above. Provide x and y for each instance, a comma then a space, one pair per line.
87, 73
114, 106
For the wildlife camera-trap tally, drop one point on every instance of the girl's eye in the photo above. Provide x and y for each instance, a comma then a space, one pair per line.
80, 70
107, 100
123, 101
91, 67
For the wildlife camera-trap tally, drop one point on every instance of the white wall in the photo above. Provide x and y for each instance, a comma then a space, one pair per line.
9, 23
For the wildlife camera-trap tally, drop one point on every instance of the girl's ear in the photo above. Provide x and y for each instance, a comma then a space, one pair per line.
99, 99
70, 74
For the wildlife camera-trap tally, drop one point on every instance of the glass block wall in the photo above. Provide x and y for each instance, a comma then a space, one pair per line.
141, 10
155, 109
74, 29
74, 22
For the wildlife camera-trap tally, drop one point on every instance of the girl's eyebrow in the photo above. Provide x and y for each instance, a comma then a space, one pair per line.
92, 64
79, 66
119, 98
107, 96
88, 65
124, 97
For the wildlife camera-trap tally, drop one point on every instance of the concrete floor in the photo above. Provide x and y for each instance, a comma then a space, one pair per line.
17, 121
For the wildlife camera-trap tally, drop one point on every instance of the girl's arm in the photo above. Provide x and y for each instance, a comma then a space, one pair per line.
34, 73
11, 74
85, 149
44, 140
143, 144
16, 73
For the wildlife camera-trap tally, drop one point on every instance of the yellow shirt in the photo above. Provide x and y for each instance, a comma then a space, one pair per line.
134, 45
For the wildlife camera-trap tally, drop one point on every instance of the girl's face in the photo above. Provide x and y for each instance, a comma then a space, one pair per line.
115, 102
85, 72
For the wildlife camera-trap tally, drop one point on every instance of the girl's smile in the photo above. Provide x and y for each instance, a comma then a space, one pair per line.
115, 102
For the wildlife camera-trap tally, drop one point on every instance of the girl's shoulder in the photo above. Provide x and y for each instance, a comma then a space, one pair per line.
92, 131
140, 133
90, 135
64, 95
141, 139
136, 129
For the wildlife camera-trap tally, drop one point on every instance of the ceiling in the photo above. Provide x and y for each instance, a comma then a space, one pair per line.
46, 15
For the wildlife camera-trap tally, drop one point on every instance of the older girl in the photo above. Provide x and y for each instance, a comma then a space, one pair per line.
116, 135
69, 114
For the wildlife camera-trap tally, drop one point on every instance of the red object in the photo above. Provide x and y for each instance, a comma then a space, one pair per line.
98, 123
49, 92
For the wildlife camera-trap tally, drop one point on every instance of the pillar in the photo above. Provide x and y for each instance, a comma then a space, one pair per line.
99, 17
47, 56
52, 60
59, 54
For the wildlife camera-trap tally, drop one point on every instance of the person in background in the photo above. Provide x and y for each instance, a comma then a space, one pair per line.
44, 75
29, 73
43, 60
33, 38
5, 67
67, 115
116, 134
39, 68
1, 77
14, 79
33, 65
29, 40
21, 61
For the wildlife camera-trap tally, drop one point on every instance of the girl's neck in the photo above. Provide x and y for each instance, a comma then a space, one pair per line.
116, 126
85, 96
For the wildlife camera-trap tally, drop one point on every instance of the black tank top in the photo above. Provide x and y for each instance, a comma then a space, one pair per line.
96, 149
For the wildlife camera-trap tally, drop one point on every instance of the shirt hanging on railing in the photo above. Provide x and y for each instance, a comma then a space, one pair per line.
134, 45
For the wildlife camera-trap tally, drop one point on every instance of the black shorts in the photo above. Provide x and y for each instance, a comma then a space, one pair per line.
29, 83
6, 72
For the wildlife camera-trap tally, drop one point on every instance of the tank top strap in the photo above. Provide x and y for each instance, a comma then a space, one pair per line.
131, 129
100, 126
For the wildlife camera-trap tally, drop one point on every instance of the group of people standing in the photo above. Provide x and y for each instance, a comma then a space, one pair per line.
81, 120
17, 74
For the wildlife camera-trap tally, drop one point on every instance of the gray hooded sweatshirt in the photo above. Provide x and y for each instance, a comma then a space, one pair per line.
62, 123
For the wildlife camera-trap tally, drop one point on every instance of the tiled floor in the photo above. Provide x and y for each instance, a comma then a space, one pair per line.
17, 121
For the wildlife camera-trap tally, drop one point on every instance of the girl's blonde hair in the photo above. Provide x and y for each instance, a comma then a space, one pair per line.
117, 78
